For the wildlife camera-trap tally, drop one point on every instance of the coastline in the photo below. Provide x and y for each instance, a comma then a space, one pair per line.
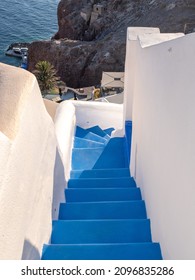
32, 21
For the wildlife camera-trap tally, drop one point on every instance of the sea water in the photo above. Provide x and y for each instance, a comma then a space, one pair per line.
25, 21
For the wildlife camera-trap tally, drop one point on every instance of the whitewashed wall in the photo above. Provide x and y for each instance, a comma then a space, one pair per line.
98, 113
27, 156
163, 150
130, 65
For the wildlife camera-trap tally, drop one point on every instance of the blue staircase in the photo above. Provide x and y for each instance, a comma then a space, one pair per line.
104, 217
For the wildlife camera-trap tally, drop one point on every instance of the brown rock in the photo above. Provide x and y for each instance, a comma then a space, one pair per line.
99, 45
79, 64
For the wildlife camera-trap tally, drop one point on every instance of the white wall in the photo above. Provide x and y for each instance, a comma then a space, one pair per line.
130, 65
98, 113
163, 150
27, 155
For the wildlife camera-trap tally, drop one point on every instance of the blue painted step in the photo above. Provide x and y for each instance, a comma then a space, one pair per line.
103, 194
103, 210
84, 143
97, 130
109, 130
100, 231
83, 133
122, 182
129, 251
104, 217
100, 173
85, 158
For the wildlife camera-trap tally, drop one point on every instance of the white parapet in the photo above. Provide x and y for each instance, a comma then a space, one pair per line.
155, 39
98, 113
65, 121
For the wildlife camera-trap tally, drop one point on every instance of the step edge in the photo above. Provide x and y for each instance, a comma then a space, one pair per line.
146, 220
88, 140
141, 201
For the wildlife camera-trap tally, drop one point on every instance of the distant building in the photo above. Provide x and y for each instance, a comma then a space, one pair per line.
112, 82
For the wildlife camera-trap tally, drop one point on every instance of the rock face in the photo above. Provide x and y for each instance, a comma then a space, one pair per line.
92, 34
71, 24
79, 63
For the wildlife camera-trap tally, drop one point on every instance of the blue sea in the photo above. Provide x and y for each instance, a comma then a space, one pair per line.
26, 21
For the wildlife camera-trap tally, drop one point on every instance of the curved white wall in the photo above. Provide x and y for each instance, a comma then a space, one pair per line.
65, 121
27, 156
163, 150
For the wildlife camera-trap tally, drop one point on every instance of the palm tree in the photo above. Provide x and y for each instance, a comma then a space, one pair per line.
46, 76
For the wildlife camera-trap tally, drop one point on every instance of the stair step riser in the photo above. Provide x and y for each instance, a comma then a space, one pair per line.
131, 251
87, 195
104, 231
102, 210
102, 183
100, 173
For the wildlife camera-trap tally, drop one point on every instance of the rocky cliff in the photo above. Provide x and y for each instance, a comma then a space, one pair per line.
92, 34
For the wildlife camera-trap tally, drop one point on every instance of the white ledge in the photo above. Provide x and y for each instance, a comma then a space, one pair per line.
147, 40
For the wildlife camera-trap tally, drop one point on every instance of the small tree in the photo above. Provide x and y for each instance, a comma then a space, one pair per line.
46, 76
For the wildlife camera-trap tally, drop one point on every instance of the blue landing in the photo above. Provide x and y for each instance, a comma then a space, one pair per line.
104, 217
110, 156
